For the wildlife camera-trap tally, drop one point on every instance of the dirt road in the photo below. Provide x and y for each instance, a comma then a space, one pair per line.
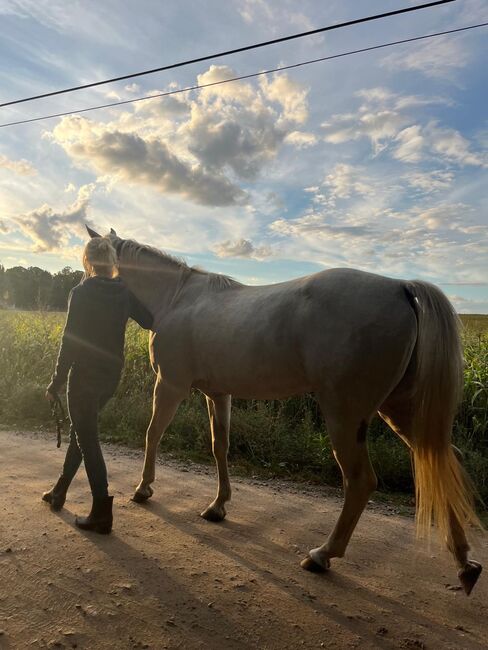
166, 578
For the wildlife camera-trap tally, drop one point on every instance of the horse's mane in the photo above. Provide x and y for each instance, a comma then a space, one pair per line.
137, 251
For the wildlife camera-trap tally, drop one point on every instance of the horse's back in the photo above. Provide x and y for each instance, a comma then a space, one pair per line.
291, 337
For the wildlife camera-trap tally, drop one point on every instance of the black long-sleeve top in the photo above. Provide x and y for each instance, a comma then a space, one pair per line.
93, 337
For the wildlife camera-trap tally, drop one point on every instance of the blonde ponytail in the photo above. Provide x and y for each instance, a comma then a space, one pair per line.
100, 258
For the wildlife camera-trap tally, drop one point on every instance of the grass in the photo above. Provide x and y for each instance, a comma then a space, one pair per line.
269, 438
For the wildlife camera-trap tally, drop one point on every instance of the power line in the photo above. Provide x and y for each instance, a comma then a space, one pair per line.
246, 48
246, 76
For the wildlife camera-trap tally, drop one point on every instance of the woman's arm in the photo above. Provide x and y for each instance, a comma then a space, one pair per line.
69, 343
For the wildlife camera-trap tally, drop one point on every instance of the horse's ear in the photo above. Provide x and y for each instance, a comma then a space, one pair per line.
112, 231
91, 232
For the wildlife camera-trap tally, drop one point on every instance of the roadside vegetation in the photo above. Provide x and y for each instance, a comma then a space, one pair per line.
272, 438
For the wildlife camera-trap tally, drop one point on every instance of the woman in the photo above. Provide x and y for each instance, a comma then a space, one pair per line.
92, 352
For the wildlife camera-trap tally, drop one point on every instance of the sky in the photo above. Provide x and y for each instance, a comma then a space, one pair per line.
376, 161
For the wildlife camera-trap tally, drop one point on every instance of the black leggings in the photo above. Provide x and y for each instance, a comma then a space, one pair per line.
85, 399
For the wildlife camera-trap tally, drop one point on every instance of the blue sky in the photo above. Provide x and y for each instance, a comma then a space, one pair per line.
376, 161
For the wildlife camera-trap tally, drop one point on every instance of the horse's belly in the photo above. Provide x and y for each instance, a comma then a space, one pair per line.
262, 383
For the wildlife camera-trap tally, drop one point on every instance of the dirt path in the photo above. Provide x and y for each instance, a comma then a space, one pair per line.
165, 578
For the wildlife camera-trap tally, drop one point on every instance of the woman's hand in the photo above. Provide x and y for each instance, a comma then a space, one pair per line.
49, 396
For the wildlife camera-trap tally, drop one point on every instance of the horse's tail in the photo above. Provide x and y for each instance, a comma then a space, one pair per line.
443, 489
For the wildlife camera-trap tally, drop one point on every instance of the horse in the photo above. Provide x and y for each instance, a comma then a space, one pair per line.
360, 342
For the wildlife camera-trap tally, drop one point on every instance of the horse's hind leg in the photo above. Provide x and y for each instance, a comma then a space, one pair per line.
350, 450
219, 415
398, 415
165, 403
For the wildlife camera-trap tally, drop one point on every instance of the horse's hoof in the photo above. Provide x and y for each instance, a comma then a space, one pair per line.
310, 565
469, 575
212, 513
141, 497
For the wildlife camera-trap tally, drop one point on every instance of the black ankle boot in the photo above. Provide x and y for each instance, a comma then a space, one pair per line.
100, 517
57, 495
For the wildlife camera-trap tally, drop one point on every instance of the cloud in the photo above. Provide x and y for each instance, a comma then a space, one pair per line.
4, 229
241, 248
382, 119
418, 142
438, 58
301, 139
199, 149
260, 12
430, 181
242, 139
465, 305
134, 159
451, 145
345, 180
291, 95
317, 226
78, 21
378, 126
411, 144
443, 241
21, 167
51, 230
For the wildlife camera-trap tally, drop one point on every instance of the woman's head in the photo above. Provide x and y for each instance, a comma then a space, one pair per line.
100, 258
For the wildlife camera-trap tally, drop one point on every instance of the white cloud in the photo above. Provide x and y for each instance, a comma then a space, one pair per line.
465, 305
234, 92
382, 119
378, 126
133, 159
444, 241
48, 229
241, 248
196, 148
270, 16
345, 180
51, 230
411, 144
436, 58
430, 181
21, 167
290, 94
451, 145
301, 139
417, 143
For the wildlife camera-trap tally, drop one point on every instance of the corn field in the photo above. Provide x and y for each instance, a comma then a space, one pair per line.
273, 438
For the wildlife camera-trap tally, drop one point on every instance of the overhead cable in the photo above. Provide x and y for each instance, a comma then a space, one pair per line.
242, 77
245, 48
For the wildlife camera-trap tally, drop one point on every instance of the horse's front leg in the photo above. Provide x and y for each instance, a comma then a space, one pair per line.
219, 415
165, 404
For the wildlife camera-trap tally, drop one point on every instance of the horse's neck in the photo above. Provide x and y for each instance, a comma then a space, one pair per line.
154, 288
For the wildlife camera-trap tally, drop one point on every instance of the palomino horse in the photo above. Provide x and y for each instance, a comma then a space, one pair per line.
362, 343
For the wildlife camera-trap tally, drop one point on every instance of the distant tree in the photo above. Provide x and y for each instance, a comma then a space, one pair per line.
19, 287
35, 288
62, 283
40, 287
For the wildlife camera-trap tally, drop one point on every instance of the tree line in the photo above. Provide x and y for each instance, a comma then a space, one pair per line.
35, 288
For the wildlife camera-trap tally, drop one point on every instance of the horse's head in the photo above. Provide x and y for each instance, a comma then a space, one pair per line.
115, 240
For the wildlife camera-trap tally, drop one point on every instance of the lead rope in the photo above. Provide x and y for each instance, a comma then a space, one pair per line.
59, 415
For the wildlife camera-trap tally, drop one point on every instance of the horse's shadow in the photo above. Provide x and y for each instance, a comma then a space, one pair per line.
269, 560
